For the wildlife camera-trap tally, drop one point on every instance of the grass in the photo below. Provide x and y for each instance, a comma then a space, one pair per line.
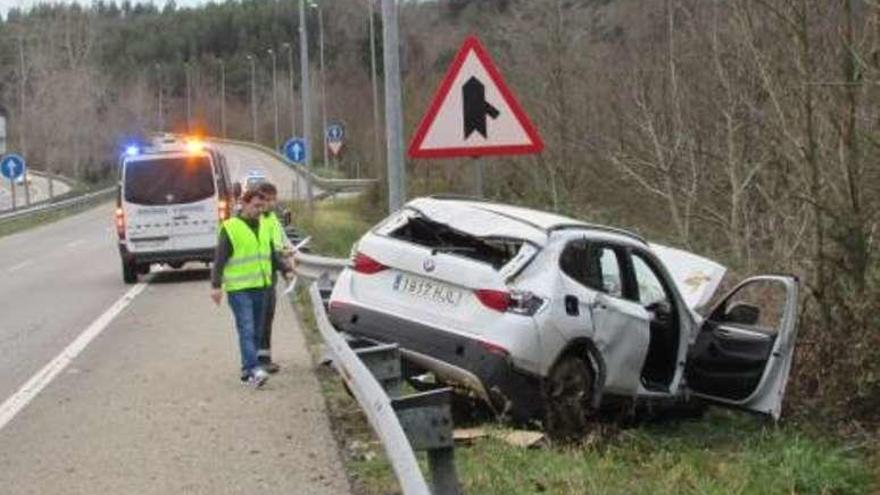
334, 225
722, 453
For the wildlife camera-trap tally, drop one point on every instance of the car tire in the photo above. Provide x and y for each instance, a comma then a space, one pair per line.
129, 272
143, 268
568, 395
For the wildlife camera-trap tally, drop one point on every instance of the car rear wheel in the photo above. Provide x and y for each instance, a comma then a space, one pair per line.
129, 272
568, 393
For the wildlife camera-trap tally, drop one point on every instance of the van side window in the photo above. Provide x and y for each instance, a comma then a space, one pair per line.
594, 266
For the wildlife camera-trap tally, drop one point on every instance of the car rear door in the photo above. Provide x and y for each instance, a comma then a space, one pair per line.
147, 215
195, 217
743, 352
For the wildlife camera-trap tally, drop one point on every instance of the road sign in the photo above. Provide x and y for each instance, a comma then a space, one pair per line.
12, 166
295, 150
335, 136
474, 113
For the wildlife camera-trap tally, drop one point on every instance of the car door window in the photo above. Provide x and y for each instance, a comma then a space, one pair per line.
650, 287
594, 266
757, 306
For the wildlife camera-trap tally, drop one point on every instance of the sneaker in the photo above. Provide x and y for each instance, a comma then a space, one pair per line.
271, 367
258, 378
245, 377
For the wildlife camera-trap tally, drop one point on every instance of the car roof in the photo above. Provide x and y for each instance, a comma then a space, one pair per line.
502, 220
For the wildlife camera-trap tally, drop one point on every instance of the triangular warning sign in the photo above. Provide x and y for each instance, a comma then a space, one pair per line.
474, 113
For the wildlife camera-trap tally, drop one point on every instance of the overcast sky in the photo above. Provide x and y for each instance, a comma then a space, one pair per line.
5, 5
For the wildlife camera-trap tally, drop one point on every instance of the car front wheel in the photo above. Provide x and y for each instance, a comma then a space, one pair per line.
568, 394
129, 272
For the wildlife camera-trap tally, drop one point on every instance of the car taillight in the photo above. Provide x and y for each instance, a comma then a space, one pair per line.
366, 265
493, 348
498, 300
521, 303
222, 210
120, 223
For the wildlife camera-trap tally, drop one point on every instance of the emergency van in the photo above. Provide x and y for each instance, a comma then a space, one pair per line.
169, 204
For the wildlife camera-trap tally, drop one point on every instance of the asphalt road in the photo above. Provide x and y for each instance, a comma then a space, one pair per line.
242, 159
39, 191
153, 403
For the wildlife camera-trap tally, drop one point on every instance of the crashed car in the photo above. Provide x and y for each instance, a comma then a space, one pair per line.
546, 317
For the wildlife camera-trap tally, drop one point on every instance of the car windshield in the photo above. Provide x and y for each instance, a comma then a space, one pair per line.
444, 239
168, 180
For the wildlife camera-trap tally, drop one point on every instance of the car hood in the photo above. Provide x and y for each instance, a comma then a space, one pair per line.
696, 277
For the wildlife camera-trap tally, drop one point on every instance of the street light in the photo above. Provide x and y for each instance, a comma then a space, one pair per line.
271, 53
222, 97
323, 82
289, 48
253, 62
305, 88
188, 98
377, 150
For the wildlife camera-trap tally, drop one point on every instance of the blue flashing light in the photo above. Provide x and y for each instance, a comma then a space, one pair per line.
132, 150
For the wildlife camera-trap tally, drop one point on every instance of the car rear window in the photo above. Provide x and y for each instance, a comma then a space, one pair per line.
443, 238
169, 180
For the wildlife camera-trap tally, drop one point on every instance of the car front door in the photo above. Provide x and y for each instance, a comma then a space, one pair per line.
743, 353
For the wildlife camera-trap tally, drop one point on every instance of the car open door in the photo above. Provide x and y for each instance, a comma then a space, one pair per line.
743, 352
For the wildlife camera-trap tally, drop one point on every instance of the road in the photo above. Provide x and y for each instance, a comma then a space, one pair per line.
39, 191
146, 398
242, 159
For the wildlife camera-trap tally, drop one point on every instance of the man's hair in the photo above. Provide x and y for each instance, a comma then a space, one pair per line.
250, 194
267, 189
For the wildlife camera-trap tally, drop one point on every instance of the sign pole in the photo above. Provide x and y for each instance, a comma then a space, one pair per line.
478, 177
27, 189
12, 187
393, 107
51, 185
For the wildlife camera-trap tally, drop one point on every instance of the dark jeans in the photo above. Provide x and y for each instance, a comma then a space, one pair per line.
249, 308
265, 352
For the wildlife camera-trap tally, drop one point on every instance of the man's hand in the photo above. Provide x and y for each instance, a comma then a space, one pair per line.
216, 296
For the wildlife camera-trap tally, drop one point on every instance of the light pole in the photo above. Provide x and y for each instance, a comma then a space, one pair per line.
23, 125
323, 84
222, 98
159, 122
289, 48
253, 62
305, 88
393, 107
188, 98
271, 52
377, 150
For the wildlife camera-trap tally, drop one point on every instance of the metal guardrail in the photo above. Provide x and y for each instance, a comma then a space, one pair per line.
313, 267
421, 421
75, 201
55, 198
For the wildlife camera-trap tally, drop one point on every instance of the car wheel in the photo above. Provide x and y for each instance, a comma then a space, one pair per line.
143, 268
129, 272
568, 399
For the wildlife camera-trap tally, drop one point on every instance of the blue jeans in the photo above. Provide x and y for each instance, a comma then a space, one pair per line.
249, 308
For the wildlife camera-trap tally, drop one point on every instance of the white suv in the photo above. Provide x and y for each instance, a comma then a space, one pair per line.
546, 317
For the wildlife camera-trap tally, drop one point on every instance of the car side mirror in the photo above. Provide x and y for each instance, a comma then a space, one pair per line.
742, 314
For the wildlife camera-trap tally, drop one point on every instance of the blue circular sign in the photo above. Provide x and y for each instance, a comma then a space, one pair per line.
335, 132
12, 166
295, 150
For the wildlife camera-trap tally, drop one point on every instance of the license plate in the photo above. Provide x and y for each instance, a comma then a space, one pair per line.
428, 290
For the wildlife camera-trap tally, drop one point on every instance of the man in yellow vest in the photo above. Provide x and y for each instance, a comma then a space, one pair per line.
243, 269
271, 226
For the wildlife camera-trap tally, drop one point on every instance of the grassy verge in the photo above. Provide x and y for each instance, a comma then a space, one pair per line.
722, 453
334, 225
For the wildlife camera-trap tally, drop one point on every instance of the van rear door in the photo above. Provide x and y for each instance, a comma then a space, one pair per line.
170, 203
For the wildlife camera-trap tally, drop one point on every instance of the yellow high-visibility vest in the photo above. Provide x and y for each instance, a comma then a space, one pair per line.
250, 266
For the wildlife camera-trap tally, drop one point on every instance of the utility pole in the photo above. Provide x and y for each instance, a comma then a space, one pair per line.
253, 62
306, 104
23, 123
393, 107
271, 53
377, 149
323, 84
159, 121
289, 48
188, 98
222, 98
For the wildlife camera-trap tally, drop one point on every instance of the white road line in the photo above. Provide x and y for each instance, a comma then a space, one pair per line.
15, 268
24, 395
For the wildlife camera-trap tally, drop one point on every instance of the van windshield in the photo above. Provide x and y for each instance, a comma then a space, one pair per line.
168, 180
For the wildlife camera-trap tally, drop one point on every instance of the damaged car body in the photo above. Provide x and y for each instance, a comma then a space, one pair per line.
546, 317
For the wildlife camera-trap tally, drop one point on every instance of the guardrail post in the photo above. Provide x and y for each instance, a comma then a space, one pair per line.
426, 418
383, 361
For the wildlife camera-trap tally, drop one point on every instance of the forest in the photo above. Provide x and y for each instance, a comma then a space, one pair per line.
745, 130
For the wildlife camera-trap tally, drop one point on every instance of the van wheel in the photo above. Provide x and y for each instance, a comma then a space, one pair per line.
129, 272
568, 395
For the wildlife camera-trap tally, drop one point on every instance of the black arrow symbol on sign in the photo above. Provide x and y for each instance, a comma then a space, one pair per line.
476, 107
